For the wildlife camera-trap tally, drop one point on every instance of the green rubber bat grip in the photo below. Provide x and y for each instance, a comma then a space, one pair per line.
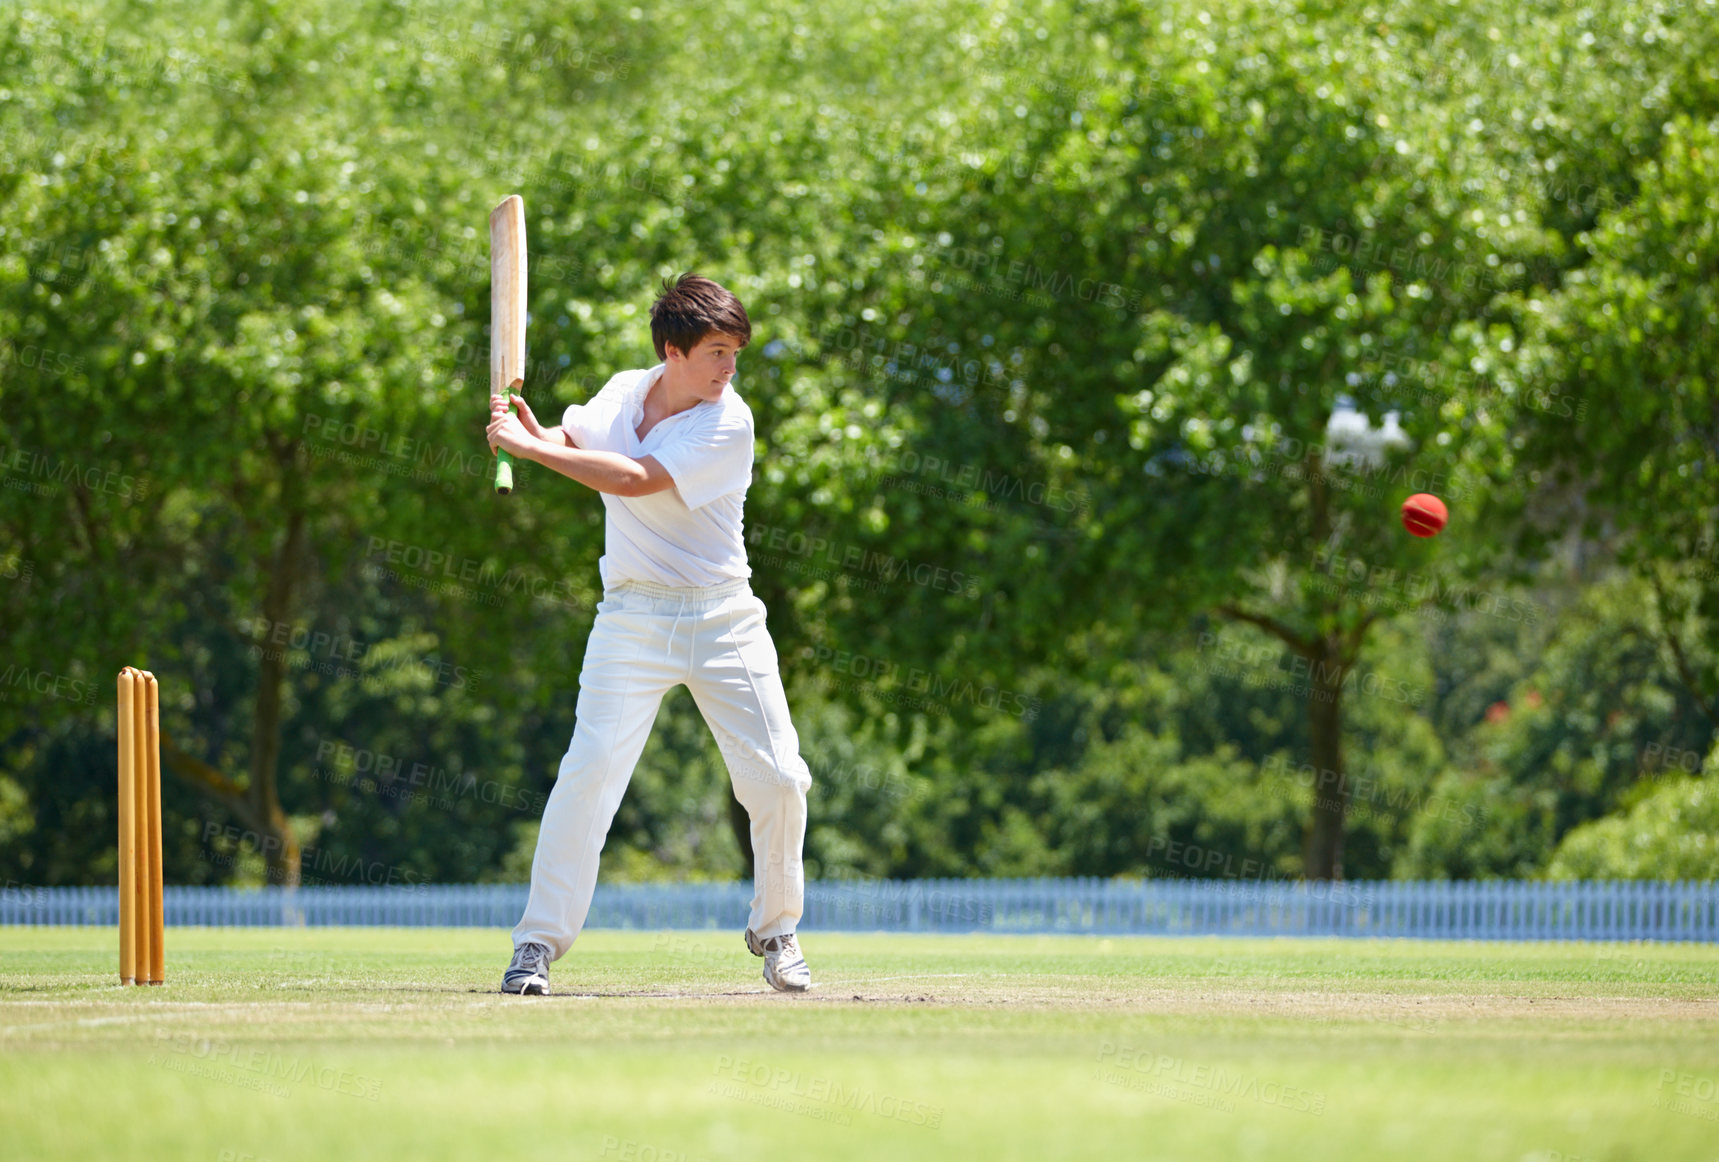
504, 462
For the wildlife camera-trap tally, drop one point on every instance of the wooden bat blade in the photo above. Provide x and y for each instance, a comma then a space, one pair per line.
507, 304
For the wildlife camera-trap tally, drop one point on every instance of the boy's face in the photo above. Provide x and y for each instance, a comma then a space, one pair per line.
708, 367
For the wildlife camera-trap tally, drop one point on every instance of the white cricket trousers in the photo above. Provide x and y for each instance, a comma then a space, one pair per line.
646, 640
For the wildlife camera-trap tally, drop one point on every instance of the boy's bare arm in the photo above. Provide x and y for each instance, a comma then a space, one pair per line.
557, 435
603, 471
551, 447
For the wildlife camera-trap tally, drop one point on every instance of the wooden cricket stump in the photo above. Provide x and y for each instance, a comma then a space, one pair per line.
142, 957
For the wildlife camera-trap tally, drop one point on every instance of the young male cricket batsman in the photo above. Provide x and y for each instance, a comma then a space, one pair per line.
670, 450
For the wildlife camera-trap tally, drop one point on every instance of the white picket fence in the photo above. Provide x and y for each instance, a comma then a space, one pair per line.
1466, 910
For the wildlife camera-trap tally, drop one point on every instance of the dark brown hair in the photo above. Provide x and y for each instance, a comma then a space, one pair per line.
691, 307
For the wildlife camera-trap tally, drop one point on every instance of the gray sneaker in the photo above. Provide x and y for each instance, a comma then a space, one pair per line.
785, 970
528, 975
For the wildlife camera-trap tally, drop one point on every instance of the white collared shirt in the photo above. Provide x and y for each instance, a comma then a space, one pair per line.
688, 536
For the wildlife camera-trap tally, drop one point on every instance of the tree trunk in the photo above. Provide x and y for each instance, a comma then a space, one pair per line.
1322, 851
281, 847
1330, 655
258, 805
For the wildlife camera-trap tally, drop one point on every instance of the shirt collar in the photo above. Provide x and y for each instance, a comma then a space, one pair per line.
642, 388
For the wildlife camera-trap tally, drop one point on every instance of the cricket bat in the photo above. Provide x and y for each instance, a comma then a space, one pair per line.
506, 313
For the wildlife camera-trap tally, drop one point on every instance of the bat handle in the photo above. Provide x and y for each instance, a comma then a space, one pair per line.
504, 460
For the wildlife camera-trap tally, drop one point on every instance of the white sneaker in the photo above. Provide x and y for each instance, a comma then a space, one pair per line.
785, 970
528, 975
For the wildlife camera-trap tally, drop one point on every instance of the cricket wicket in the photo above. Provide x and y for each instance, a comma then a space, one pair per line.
141, 955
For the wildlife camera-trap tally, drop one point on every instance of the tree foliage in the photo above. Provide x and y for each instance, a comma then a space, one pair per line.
1077, 327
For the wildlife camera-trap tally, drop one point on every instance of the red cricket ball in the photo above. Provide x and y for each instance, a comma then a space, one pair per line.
1424, 514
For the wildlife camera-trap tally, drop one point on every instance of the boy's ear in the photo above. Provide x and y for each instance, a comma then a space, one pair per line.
672, 353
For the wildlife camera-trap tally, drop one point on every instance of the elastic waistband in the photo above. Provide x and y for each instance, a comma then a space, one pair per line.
688, 596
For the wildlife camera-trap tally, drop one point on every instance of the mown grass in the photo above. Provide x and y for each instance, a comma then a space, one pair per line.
390, 1043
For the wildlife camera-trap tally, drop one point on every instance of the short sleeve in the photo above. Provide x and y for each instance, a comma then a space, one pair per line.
710, 459
573, 423
588, 423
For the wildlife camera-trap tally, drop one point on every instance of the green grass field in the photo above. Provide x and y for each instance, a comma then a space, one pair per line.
388, 1043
